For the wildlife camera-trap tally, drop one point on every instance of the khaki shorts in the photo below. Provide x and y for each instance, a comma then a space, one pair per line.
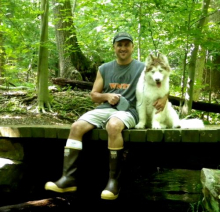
99, 117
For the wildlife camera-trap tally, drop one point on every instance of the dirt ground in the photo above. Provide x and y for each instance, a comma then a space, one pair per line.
19, 108
32, 119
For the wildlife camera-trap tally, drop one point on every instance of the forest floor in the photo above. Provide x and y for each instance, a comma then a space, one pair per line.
20, 107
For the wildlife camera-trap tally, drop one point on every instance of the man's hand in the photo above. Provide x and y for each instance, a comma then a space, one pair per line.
160, 104
113, 98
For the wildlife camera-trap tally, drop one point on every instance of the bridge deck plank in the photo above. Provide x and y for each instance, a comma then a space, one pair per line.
208, 134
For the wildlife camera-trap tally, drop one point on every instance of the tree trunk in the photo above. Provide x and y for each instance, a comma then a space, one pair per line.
199, 69
139, 31
2, 52
212, 79
42, 77
212, 74
186, 110
72, 62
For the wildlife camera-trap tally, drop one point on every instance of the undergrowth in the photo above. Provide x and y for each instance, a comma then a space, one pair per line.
69, 104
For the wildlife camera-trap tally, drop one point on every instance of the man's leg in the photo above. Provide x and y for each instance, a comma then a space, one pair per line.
114, 128
67, 183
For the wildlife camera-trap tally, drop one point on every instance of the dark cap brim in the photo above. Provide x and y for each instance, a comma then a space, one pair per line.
123, 38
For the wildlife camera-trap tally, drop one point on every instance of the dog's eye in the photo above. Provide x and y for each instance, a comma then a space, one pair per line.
160, 70
153, 72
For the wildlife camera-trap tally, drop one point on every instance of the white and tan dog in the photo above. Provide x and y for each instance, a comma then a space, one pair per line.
152, 85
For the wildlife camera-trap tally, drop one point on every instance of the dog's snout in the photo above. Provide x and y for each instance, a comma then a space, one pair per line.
157, 80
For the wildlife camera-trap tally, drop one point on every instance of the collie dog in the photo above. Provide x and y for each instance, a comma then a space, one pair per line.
152, 85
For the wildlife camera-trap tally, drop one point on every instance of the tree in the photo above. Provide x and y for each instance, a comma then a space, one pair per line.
2, 52
186, 110
213, 71
42, 77
71, 59
85, 32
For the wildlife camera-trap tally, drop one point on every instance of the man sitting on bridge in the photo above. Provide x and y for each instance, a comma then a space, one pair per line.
114, 88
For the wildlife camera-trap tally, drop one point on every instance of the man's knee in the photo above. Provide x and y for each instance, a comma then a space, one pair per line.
114, 126
75, 126
80, 127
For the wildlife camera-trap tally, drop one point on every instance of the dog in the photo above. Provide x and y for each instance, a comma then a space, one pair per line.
152, 85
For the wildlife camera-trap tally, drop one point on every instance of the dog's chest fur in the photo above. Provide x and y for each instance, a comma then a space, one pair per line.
148, 92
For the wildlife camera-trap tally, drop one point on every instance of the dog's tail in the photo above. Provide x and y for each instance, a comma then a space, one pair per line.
191, 124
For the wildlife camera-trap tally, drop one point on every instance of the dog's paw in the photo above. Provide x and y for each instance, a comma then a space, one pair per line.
156, 125
140, 126
176, 126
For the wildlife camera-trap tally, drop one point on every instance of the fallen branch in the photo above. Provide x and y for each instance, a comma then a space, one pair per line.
203, 106
13, 88
29, 99
14, 93
50, 204
73, 83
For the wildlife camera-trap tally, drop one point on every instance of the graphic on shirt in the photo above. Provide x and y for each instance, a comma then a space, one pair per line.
119, 86
120, 81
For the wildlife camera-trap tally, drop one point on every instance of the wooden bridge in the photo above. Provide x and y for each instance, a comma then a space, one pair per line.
209, 134
37, 153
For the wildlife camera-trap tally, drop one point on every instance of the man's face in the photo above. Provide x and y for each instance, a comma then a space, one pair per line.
123, 49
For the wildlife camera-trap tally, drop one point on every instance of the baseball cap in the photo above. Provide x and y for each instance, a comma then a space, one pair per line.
122, 36
123, 104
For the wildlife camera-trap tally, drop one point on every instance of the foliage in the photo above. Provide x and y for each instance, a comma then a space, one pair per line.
211, 118
73, 103
165, 26
196, 207
157, 26
161, 26
12, 105
21, 26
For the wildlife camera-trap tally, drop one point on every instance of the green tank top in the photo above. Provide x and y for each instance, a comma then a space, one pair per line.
121, 79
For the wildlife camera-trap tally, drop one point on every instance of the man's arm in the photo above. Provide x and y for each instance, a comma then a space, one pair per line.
160, 103
99, 97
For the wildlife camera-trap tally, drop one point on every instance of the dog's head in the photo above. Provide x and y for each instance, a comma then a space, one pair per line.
157, 68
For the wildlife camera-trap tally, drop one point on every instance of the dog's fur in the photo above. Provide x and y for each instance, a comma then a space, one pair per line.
152, 85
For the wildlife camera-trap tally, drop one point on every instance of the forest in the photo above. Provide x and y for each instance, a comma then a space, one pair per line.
43, 42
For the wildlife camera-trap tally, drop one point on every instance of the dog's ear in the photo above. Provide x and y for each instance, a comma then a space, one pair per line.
163, 58
149, 59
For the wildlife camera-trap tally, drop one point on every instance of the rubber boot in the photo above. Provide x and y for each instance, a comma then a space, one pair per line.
113, 186
67, 183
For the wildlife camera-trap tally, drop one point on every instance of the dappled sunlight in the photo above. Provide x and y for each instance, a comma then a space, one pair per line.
7, 116
32, 118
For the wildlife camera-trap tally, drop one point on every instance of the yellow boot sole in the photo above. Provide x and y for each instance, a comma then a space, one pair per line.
107, 195
53, 187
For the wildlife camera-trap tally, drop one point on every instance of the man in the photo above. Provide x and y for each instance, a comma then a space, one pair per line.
114, 88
